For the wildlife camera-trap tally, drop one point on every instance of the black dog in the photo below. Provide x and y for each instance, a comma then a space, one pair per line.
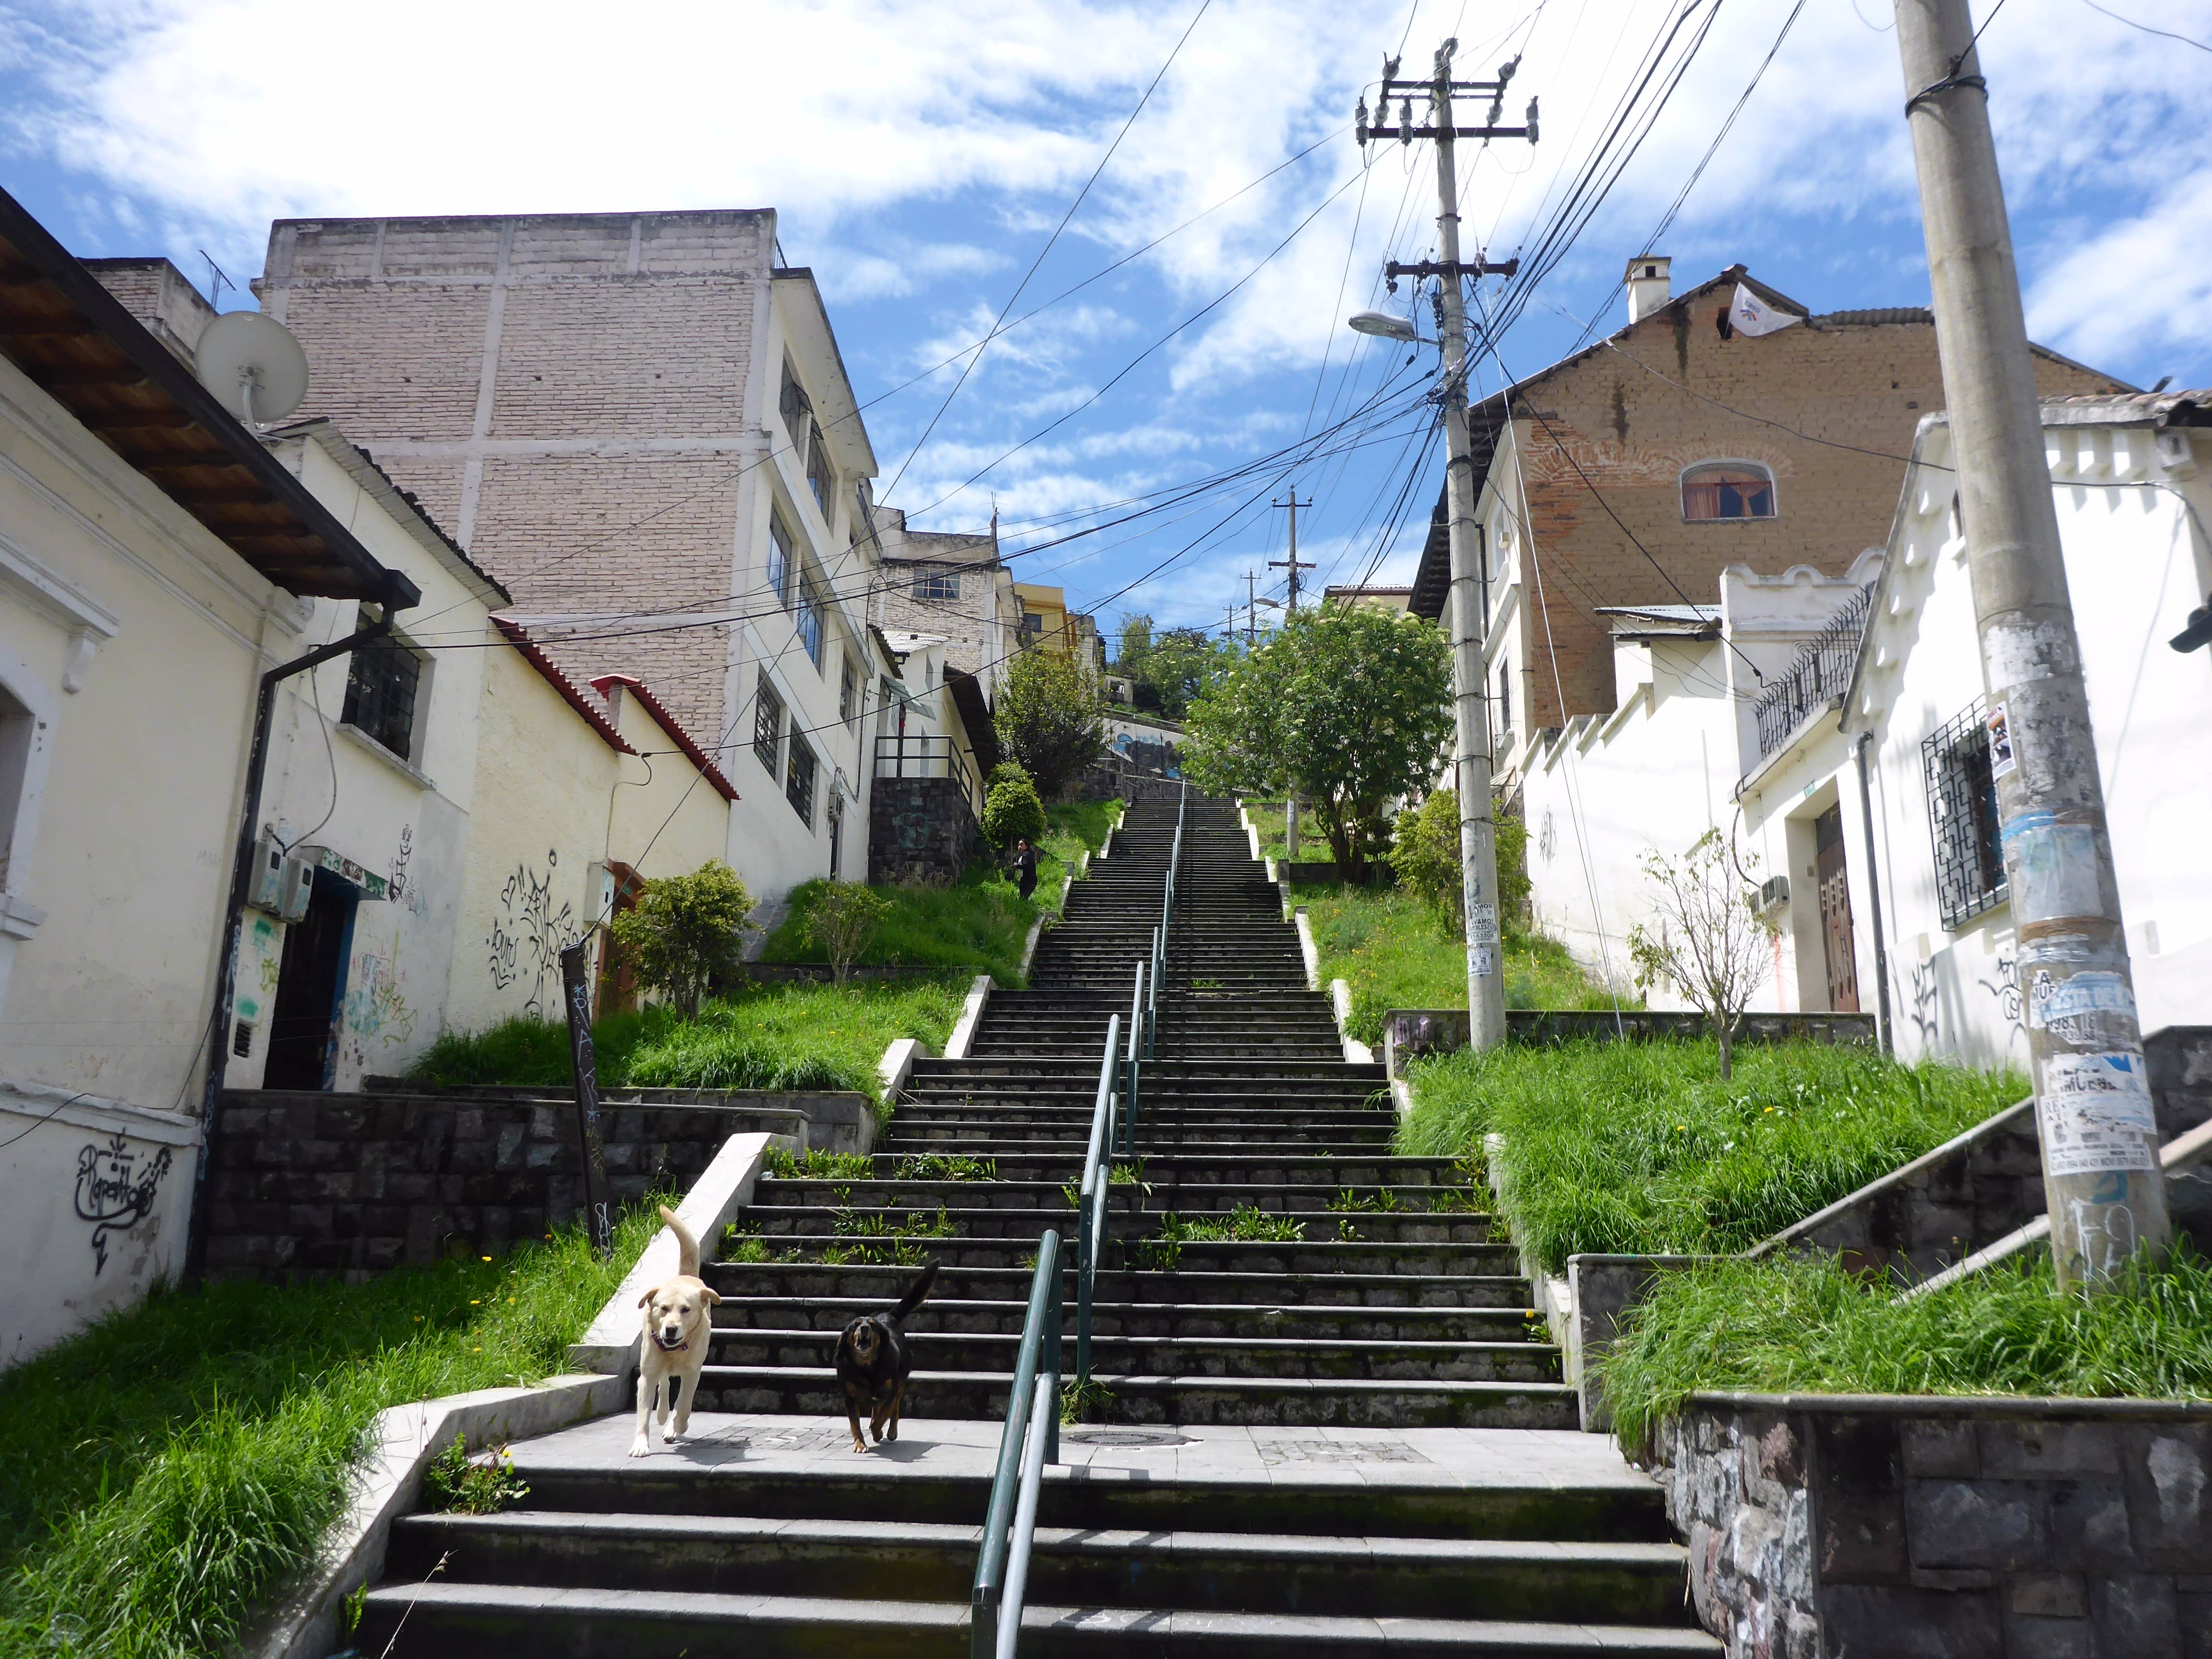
872, 1363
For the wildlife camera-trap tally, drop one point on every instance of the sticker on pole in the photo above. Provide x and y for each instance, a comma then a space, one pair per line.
1482, 924
2002, 759
1481, 961
2095, 1114
2061, 1004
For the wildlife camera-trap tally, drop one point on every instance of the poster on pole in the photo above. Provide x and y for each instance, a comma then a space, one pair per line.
576, 993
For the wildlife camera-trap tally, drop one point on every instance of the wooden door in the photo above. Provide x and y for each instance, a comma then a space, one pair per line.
1836, 941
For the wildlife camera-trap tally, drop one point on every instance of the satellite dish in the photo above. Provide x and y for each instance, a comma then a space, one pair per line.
253, 366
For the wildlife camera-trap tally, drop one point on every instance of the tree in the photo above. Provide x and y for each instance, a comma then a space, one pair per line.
1347, 704
1707, 939
1424, 856
1178, 663
1012, 813
686, 931
1047, 716
842, 917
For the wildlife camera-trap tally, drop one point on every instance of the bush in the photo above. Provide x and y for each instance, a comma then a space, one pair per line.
843, 920
1426, 859
686, 932
1006, 772
1012, 813
1049, 716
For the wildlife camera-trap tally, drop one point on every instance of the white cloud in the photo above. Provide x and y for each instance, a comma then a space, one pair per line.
2142, 279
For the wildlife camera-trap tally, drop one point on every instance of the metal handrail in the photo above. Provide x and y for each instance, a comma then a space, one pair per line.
1097, 1175
1035, 1392
1129, 1066
1152, 1000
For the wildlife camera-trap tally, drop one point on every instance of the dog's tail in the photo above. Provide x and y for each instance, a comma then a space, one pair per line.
915, 1292
687, 1248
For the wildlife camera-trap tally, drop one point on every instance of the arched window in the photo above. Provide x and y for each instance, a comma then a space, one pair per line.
1727, 489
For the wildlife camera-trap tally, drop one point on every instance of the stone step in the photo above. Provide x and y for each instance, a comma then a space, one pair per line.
882, 1284
902, 1560
1288, 1402
1231, 1255
1303, 1199
1124, 1220
1318, 1322
1236, 1169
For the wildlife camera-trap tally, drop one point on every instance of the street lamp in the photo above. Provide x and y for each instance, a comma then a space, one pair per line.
1386, 326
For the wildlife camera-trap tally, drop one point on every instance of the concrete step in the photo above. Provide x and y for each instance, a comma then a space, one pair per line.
1236, 1168
1125, 1220
1319, 1321
882, 1284
1308, 1198
1234, 1255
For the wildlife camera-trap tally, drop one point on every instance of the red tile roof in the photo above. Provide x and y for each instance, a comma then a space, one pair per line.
671, 725
596, 716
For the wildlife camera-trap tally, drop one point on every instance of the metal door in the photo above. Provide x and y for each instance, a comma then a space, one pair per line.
1835, 942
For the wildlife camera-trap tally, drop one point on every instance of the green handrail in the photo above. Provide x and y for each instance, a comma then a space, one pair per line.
1039, 1354
1090, 1222
1129, 1066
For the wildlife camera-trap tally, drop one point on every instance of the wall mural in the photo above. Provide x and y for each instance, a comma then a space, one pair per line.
528, 934
115, 1191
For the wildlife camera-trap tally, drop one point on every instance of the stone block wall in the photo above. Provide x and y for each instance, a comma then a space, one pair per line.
921, 830
319, 1185
1834, 1527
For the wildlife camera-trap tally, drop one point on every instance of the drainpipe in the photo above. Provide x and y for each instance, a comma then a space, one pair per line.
233, 911
1874, 900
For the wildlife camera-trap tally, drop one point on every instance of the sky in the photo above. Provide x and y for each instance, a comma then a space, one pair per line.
1166, 202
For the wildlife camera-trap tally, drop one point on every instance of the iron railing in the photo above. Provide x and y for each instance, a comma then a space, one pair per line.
917, 755
1091, 1200
1821, 670
1152, 995
1030, 1440
1131, 1063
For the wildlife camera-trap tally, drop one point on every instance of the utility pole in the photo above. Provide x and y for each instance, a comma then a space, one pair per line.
1292, 564
2101, 1180
1478, 828
1251, 610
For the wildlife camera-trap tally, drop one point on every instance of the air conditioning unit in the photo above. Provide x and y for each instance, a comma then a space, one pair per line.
1773, 893
281, 883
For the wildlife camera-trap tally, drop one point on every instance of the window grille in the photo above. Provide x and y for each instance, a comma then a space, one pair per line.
779, 560
767, 723
1962, 816
809, 618
1712, 493
848, 694
382, 681
792, 404
818, 478
799, 781
937, 582
1820, 670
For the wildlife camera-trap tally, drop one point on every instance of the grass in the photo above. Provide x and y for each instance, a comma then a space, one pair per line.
1390, 949
1639, 1148
170, 1467
1808, 1326
977, 924
1163, 1249
763, 1037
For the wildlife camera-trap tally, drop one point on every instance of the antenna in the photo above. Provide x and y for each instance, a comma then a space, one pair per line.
253, 366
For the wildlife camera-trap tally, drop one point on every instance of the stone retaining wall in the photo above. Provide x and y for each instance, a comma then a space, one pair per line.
921, 830
320, 1185
1408, 1034
1840, 1526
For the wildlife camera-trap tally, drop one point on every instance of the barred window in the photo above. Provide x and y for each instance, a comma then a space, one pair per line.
819, 477
382, 681
779, 560
809, 618
1737, 489
792, 404
1962, 815
799, 781
848, 694
767, 723
937, 582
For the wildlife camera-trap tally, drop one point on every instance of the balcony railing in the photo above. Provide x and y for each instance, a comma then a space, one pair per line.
915, 754
1820, 671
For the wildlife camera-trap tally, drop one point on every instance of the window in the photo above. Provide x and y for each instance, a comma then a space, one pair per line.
799, 781
809, 618
937, 582
791, 402
819, 477
767, 723
1505, 704
848, 694
1962, 814
1733, 490
779, 560
382, 683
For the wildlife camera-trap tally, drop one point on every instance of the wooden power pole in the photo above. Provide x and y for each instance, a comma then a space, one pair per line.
2101, 1178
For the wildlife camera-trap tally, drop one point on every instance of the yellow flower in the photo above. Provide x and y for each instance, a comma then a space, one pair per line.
475, 1300
487, 1258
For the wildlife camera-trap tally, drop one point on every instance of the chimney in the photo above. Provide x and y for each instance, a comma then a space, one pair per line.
1649, 286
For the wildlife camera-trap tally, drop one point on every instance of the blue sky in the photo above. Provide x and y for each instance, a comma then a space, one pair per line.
920, 155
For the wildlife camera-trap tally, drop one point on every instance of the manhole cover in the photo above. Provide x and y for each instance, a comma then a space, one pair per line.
1129, 1438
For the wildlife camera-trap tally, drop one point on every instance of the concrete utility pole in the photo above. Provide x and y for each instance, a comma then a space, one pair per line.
2100, 1171
1292, 564
1478, 829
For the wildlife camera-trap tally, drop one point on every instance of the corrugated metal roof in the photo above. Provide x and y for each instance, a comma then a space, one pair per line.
1878, 314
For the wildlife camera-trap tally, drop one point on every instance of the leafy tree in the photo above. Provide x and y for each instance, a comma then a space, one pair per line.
1425, 857
1349, 705
1012, 813
1178, 663
1707, 941
1002, 772
686, 931
1047, 714
842, 917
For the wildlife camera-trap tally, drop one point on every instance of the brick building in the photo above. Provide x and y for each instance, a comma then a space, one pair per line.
642, 424
1634, 472
946, 584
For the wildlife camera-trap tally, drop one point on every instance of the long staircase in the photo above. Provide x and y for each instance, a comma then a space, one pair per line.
1325, 1423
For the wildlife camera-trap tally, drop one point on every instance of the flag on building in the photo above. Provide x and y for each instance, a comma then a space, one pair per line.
1750, 314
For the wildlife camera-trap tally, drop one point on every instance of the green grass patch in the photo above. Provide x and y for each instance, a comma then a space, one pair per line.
763, 1037
169, 1469
1639, 1147
1808, 1326
1392, 950
1247, 1221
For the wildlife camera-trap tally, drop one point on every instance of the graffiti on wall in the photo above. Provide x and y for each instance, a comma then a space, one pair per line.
1925, 1019
2004, 989
397, 882
115, 1190
375, 1005
528, 934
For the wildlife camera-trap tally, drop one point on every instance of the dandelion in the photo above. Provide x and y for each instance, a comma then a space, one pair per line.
475, 1301
485, 1258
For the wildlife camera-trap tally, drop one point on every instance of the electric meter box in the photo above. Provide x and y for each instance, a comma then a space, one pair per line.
281, 883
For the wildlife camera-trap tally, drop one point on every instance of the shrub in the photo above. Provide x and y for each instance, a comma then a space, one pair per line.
1707, 940
842, 919
1012, 813
1048, 715
686, 932
1426, 857
1006, 772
